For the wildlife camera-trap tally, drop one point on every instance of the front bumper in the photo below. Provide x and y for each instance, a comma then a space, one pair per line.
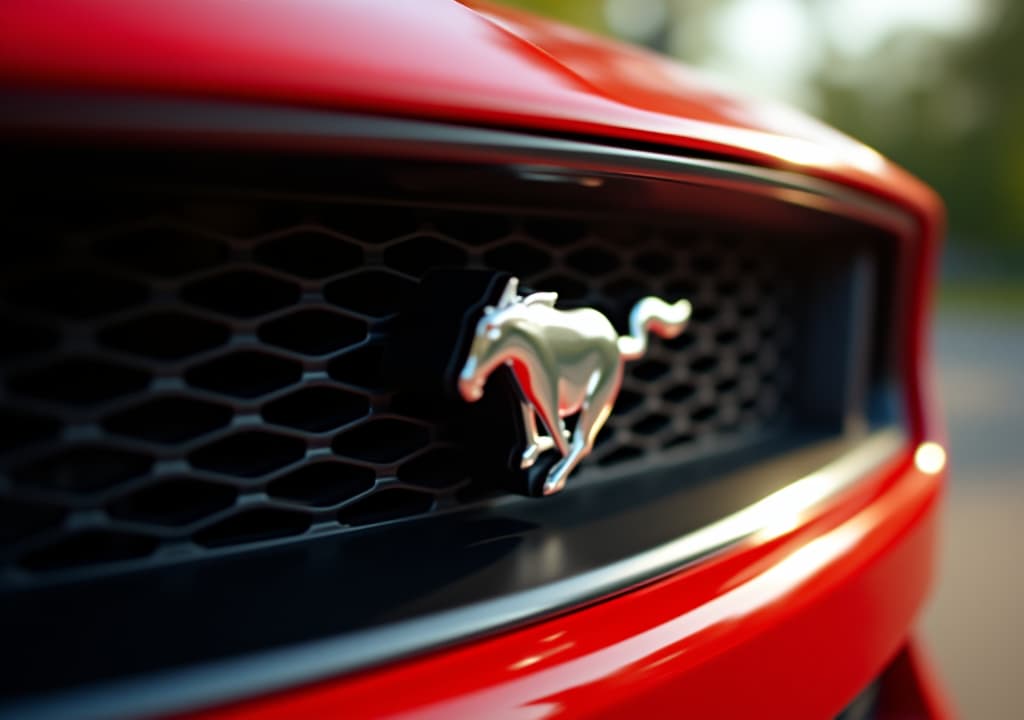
794, 623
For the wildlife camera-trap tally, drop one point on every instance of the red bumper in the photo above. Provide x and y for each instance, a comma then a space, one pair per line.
788, 626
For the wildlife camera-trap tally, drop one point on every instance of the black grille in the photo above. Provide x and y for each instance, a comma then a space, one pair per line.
186, 372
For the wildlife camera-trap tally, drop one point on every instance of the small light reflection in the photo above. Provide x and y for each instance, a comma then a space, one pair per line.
526, 662
776, 582
545, 176
785, 510
662, 661
930, 458
545, 559
534, 659
866, 158
777, 527
551, 557
800, 152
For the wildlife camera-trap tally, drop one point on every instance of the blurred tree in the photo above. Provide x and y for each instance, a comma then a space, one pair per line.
992, 152
587, 14
951, 111
949, 106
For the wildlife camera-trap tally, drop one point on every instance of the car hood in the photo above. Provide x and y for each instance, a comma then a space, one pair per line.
468, 63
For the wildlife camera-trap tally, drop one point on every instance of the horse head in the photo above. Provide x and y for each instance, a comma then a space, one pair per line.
490, 346
486, 352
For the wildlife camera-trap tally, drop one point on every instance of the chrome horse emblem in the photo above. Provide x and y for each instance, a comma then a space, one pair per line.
564, 362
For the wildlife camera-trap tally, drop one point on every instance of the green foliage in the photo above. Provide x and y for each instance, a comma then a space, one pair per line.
949, 108
999, 298
962, 130
587, 14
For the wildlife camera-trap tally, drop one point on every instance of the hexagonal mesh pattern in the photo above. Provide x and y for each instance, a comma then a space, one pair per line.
209, 375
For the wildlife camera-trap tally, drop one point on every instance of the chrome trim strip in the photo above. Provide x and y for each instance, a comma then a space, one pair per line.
276, 670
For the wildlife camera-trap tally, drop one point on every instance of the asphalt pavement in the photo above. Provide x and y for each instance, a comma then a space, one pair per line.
974, 625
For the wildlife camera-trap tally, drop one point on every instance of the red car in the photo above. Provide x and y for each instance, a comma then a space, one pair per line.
425, 359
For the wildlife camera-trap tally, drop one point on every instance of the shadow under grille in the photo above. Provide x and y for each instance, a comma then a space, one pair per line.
185, 372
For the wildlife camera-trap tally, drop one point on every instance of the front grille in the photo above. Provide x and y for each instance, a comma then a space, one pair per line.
191, 371
211, 418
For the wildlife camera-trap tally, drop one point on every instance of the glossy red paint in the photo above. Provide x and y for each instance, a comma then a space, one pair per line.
427, 58
792, 625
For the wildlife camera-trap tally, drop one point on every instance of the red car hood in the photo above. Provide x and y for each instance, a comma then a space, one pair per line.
426, 58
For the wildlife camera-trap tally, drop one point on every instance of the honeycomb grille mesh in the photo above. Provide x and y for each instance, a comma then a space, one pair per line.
202, 373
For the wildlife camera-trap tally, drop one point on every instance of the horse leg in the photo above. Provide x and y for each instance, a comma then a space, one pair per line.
546, 406
537, 444
593, 415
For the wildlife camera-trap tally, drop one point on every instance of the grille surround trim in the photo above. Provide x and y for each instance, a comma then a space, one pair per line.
210, 367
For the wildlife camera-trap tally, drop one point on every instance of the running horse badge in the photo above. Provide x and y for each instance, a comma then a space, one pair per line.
564, 362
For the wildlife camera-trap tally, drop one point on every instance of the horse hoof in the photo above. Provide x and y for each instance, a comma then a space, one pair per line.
530, 456
553, 484
556, 478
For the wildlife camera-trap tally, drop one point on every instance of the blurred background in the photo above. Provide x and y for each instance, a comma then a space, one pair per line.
938, 86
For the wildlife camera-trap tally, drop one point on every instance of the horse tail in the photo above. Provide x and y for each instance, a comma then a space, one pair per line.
652, 314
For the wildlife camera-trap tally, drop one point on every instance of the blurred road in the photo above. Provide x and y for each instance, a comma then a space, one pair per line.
974, 624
